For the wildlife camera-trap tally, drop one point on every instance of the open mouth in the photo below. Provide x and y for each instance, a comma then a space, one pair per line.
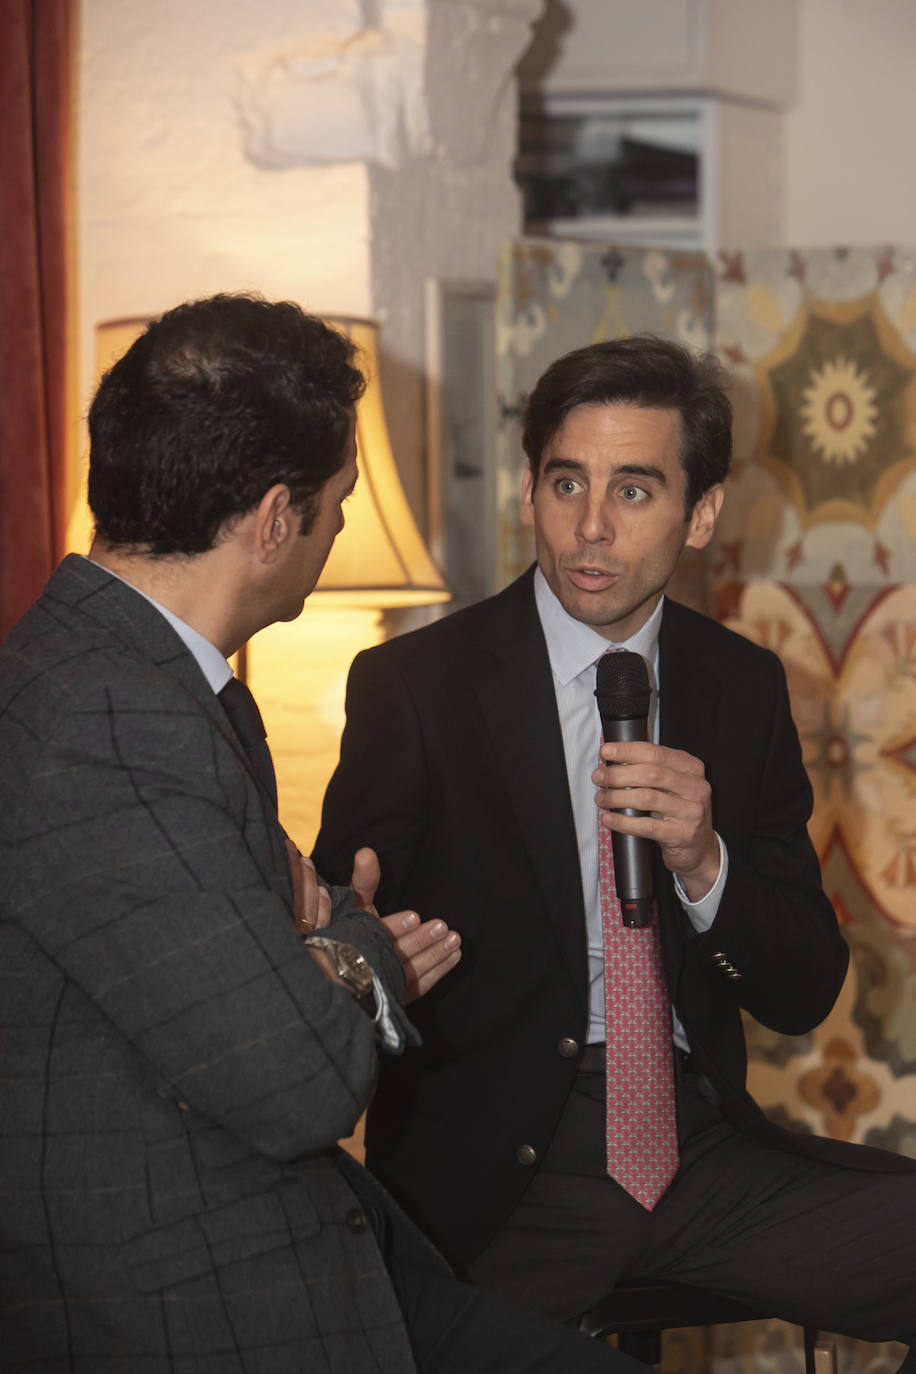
590, 578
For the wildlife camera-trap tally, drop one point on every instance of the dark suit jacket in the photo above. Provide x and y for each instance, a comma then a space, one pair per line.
452, 767
175, 1067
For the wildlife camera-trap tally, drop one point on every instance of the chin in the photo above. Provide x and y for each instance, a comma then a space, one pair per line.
592, 611
291, 612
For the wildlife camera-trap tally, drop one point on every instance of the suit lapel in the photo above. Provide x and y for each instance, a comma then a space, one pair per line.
690, 690
689, 704
512, 678
92, 592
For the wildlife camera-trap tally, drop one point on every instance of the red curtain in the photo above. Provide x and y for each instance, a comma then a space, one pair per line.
35, 69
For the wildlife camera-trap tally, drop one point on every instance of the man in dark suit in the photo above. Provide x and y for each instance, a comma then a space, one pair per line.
468, 762
177, 1060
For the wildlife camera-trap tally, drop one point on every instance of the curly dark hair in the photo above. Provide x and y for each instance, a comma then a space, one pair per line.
212, 405
640, 371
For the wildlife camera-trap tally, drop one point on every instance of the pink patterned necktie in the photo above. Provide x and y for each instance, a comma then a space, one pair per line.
642, 1148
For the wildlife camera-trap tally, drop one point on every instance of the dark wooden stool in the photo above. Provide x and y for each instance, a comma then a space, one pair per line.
639, 1311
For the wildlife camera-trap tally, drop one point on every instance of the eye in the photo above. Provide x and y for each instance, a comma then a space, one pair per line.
633, 494
567, 486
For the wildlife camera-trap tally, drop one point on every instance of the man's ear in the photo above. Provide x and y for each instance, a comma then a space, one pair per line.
527, 506
704, 516
275, 523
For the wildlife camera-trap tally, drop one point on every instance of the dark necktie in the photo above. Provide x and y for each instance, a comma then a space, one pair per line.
245, 719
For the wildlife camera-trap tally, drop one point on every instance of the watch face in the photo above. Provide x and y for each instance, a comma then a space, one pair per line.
354, 968
349, 963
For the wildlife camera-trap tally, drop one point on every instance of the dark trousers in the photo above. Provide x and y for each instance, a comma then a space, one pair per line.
810, 1242
457, 1329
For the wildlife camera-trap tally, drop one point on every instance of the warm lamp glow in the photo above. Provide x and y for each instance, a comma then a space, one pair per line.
112, 340
380, 559
298, 671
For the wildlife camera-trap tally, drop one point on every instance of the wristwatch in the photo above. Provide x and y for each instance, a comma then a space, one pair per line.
351, 967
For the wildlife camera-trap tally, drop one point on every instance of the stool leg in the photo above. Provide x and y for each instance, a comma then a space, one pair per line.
825, 1361
820, 1354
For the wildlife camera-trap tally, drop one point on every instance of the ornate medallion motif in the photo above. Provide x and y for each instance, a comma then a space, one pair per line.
839, 411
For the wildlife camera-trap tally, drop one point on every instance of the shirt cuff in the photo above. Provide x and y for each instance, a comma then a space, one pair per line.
386, 1029
702, 913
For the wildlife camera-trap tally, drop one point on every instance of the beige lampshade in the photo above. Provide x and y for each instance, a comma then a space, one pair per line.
380, 559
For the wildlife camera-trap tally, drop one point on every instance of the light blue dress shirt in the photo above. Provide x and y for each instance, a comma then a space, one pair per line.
574, 649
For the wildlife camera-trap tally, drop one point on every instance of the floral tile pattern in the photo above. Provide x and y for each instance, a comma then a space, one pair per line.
817, 558
851, 665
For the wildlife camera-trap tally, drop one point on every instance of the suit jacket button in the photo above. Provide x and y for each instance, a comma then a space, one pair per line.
526, 1154
567, 1048
357, 1220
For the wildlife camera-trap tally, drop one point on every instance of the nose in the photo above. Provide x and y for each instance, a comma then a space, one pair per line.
595, 524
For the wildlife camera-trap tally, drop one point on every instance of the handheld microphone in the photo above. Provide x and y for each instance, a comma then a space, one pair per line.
623, 692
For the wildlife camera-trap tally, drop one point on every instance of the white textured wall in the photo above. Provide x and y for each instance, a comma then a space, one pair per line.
171, 204
332, 151
850, 137
841, 70
738, 48
445, 207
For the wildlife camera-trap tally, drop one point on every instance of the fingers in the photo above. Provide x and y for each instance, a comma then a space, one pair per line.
365, 877
640, 752
324, 909
313, 902
663, 818
670, 788
667, 781
669, 798
662, 802
428, 950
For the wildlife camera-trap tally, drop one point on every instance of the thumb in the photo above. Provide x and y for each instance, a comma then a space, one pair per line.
365, 877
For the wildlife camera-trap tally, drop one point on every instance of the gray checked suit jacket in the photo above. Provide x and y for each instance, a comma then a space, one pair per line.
174, 1067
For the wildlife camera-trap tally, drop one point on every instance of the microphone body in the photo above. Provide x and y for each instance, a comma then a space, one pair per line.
623, 693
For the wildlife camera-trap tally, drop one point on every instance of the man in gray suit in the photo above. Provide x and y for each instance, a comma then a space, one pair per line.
177, 1060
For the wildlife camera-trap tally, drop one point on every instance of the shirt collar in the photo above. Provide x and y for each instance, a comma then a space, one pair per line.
573, 646
208, 658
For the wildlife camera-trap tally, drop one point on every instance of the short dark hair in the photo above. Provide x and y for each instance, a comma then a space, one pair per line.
215, 403
640, 371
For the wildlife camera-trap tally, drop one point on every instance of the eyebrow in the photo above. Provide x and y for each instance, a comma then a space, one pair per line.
623, 470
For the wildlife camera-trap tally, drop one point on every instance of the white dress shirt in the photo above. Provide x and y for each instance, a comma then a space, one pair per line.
574, 649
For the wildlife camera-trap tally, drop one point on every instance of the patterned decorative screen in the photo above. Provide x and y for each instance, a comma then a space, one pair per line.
815, 557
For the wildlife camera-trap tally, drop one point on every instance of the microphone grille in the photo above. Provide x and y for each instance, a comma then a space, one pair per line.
622, 686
